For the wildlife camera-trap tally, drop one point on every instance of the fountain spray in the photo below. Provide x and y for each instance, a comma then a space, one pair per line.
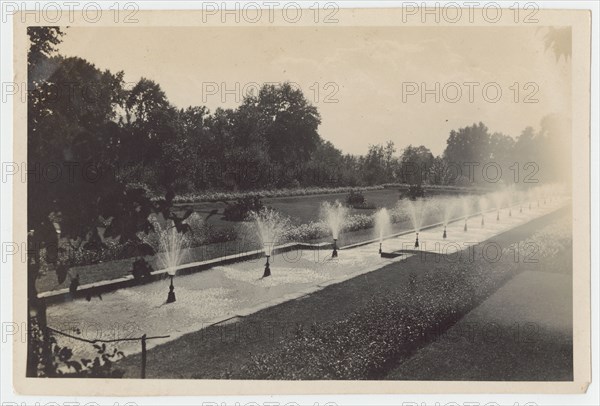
335, 215
172, 253
382, 226
269, 226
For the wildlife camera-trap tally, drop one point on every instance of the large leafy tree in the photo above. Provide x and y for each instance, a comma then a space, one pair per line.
285, 120
74, 190
415, 164
469, 144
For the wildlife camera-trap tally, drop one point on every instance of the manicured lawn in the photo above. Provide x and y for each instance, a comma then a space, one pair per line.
229, 349
301, 209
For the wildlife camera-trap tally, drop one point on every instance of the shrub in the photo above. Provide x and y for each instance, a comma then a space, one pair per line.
356, 200
355, 197
415, 192
141, 269
239, 210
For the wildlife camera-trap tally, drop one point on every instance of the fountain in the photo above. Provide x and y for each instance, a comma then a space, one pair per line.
270, 226
466, 210
498, 200
335, 216
449, 206
510, 198
382, 226
171, 253
417, 211
483, 205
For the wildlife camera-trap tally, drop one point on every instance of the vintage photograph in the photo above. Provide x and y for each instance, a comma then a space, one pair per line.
301, 203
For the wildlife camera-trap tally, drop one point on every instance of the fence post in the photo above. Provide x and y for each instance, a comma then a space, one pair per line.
144, 356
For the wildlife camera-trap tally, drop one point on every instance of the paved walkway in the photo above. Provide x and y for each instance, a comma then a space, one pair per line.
523, 332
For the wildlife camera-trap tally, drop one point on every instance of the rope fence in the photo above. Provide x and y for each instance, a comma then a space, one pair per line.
143, 340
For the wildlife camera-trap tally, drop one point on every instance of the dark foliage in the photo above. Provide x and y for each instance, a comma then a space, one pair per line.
141, 269
239, 210
415, 192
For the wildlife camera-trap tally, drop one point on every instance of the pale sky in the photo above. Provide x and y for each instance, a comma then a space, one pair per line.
367, 69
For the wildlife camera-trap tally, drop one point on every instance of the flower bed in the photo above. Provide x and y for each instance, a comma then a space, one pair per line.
216, 196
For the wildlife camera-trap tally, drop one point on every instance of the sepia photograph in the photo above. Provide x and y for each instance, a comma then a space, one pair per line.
329, 201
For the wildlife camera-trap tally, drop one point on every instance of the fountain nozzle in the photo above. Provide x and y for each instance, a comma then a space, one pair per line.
171, 297
445, 235
380, 251
509, 212
498, 216
482, 220
465, 225
521, 209
334, 254
267, 268
417, 241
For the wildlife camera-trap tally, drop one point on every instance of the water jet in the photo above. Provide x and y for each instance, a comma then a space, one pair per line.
269, 226
383, 226
171, 243
335, 216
